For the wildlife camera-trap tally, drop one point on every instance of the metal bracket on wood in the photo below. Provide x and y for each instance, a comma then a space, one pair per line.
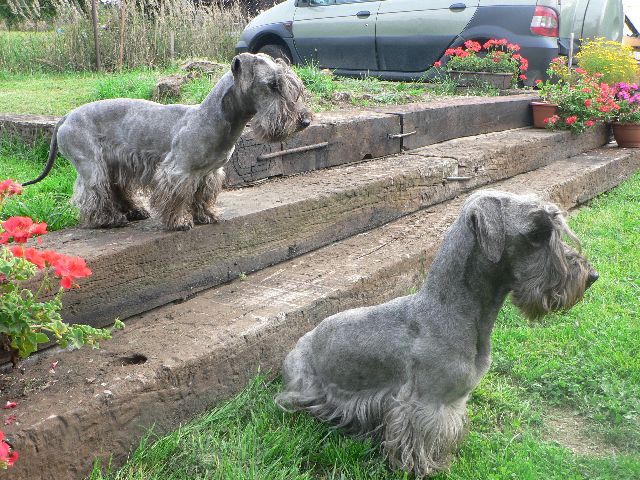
315, 146
400, 135
457, 179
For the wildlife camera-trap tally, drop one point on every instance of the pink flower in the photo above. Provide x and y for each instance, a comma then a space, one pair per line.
581, 71
571, 120
589, 123
587, 103
437, 64
513, 46
538, 82
522, 77
7, 456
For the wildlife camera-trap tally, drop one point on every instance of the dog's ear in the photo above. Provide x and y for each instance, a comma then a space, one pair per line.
236, 66
487, 222
541, 225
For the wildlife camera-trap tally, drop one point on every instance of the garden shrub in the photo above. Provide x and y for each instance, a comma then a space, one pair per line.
612, 59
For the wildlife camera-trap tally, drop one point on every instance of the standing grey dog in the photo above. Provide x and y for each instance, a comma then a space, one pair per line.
402, 372
175, 152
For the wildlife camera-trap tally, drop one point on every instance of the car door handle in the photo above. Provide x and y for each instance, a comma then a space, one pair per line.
457, 7
363, 14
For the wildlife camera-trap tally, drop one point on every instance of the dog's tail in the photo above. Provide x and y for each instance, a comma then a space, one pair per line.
53, 151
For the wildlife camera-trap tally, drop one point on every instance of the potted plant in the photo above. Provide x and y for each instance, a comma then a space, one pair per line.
496, 63
551, 92
582, 102
626, 117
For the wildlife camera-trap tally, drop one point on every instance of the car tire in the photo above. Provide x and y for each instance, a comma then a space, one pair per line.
276, 51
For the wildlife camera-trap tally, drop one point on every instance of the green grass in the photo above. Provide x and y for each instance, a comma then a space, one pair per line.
585, 360
46, 201
58, 93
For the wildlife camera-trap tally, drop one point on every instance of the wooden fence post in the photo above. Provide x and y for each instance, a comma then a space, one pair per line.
94, 15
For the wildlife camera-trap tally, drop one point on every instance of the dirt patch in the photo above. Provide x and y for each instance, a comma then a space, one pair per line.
572, 431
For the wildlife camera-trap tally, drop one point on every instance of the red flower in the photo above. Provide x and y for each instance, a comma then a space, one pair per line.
581, 71
513, 46
70, 268
489, 43
538, 82
524, 64
589, 123
9, 187
471, 45
29, 254
21, 229
437, 64
502, 41
50, 257
9, 405
604, 109
552, 120
587, 103
571, 120
7, 457
522, 77
586, 90
517, 56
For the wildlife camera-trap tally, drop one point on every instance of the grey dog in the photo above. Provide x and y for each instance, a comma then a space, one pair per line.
175, 152
402, 372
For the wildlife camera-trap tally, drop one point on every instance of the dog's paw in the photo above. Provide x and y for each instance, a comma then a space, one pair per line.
137, 214
205, 217
180, 223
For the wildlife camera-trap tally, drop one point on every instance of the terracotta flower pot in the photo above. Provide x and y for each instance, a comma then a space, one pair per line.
542, 110
627, 135
501, 81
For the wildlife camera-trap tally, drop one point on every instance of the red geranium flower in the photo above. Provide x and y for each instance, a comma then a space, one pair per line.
70, 268
437, 64
571, 120
522, 77
471, 45
513, 46
581, 71
589, 123
587, 103
9, 187
538, 81
50, 257
29, 254
21, 229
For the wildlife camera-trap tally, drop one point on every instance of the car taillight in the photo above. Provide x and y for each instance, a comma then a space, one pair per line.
545, 22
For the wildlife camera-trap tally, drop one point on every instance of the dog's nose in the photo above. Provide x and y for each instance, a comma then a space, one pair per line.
305, 122
593, 276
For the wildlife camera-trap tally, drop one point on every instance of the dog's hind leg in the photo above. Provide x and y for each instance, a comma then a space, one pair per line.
93, 193
204, 210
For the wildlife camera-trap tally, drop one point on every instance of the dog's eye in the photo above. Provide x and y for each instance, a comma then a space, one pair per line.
273, 85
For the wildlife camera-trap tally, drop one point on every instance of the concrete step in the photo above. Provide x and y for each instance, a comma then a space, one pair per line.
341, 137
141, 267
175, 362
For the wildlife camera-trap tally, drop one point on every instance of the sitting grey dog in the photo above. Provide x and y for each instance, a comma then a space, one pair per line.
402, 372
175, 152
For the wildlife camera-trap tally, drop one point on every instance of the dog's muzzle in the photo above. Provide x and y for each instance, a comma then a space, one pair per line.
593, 276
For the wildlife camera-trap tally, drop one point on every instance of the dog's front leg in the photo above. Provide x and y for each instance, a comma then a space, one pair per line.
204, 210
173, 195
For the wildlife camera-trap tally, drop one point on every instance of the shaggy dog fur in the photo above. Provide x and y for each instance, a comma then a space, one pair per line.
402, 372
174, 152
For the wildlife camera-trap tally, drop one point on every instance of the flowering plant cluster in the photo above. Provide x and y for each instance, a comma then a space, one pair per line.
627, 98
494, 56
583, 101
25, 320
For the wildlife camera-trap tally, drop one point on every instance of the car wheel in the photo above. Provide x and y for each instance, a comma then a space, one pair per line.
276, 51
